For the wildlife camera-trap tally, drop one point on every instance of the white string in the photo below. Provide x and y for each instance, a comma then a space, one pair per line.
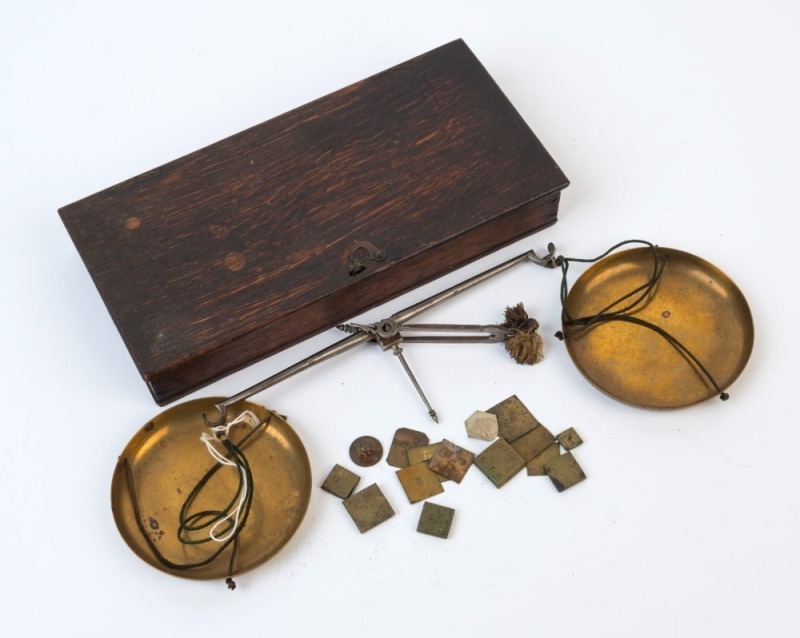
247, 415
210, 441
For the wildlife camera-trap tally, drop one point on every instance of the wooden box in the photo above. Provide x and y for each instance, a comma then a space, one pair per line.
236, 251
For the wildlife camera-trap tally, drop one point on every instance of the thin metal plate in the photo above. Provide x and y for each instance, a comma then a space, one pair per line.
499, 462
435, 520
451, 461
341, 482
422, 454
419, 482
368, 508
167, 459
564, 471
404, 439
513, 418
694, 302
537, 464
533, 443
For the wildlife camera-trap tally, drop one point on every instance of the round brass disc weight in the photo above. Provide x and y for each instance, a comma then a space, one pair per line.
693, 301
165, 460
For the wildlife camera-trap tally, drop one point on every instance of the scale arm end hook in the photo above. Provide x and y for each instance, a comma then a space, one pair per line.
548, 261
222, 416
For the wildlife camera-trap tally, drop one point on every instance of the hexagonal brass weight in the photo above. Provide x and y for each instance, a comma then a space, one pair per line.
482, 425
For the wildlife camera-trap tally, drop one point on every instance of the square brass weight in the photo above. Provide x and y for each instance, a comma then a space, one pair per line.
513, 418
368, 508
564, 471
419, 482
404, 439
451, 461
422, 454
533, 443
537, 463
341, 482
499, 462
435, 520
570, 439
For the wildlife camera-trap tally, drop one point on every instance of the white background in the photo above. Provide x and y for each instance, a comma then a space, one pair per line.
675, 122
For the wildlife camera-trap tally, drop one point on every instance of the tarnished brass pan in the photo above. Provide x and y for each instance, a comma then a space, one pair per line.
693, 301
166, 459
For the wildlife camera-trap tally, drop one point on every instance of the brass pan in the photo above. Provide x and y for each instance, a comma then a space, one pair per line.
166, 459
693, 301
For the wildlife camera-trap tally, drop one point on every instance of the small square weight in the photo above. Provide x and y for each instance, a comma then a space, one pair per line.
435, 520
537, 464
513, 418
533, 443
570, 439
451, 461
419, 482
564, 471
499, 462
422, 454
341, 482
368, 508
404, 439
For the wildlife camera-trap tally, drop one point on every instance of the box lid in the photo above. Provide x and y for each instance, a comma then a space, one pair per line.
238, 250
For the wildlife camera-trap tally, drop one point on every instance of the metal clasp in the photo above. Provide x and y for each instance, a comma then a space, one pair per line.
355, 261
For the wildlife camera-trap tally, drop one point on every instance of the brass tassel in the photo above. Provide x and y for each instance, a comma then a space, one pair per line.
524, 344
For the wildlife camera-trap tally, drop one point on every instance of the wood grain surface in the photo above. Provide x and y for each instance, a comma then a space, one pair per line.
238, 250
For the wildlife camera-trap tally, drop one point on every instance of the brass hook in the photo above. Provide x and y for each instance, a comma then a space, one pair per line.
548, 261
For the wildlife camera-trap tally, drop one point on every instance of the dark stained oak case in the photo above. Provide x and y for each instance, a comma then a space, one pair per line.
236, 251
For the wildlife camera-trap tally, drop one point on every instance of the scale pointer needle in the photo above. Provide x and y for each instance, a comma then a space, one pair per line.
398, 351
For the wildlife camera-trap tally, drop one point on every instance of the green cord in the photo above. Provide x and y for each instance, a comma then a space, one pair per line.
206, 518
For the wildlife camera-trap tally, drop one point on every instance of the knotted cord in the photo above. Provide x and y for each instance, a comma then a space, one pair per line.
233, 517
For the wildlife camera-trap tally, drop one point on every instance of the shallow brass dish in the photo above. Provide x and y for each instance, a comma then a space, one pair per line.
167, 459
693, 301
